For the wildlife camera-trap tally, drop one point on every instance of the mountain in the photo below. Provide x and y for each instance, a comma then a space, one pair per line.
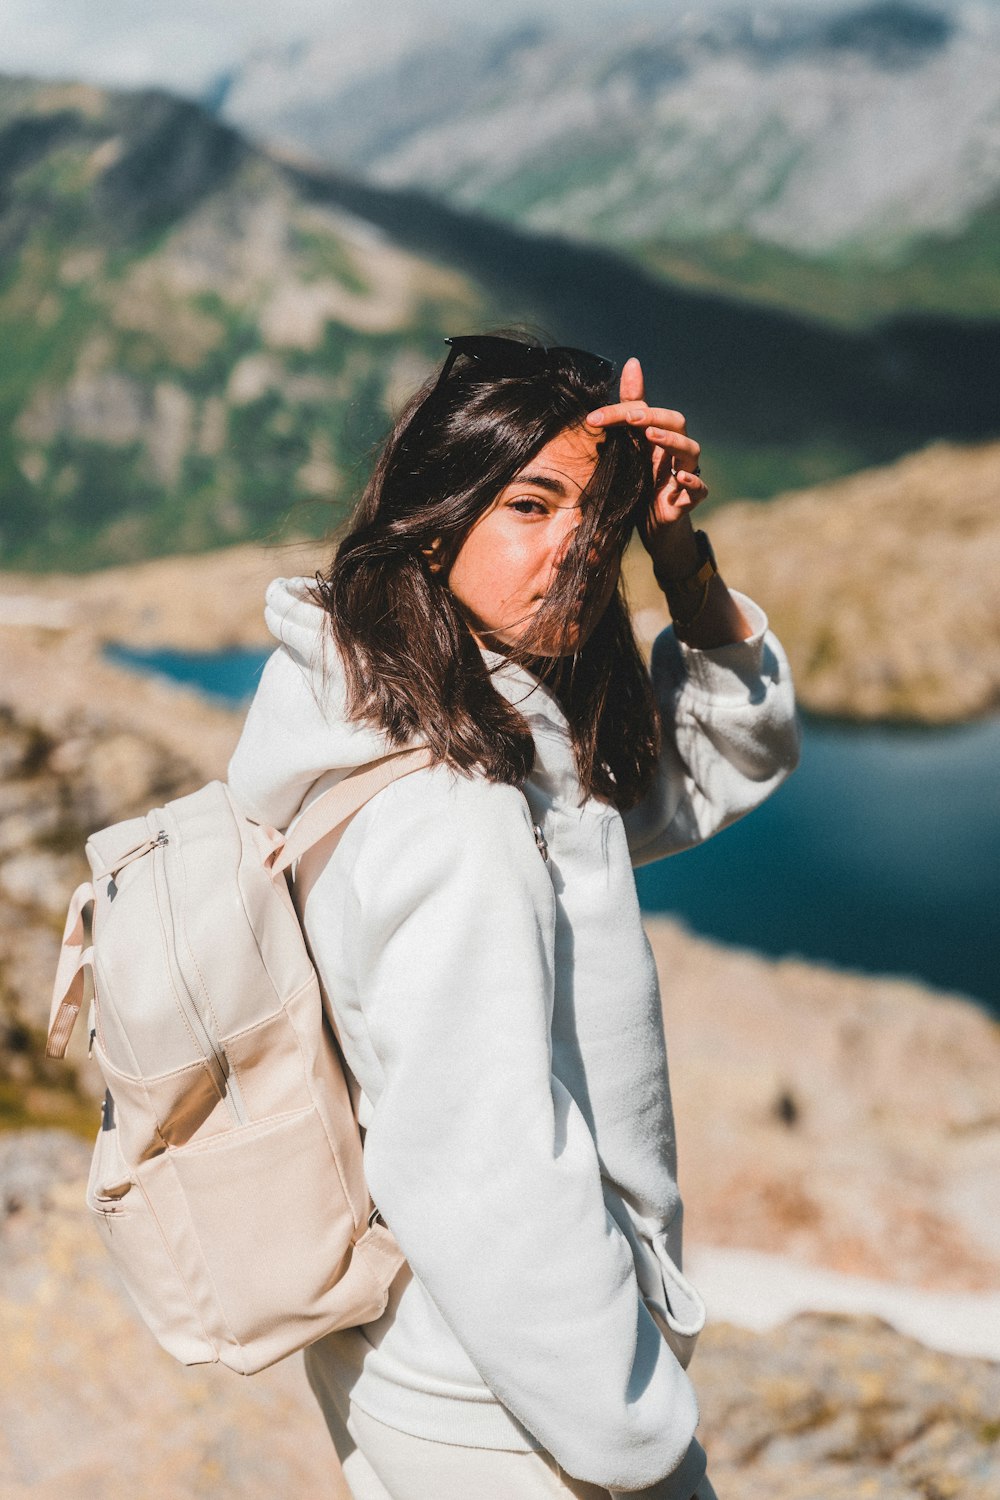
840, 161
194, 351
202, 343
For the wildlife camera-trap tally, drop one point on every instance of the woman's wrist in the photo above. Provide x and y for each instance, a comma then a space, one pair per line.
719, 622
674, 552
704, 613
688, 593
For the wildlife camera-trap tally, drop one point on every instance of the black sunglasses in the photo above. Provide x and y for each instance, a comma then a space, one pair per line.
499, 356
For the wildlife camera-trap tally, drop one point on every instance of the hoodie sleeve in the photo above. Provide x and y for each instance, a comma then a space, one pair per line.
478, 1157
730, 737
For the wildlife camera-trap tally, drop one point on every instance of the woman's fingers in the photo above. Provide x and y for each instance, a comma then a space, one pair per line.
632, 407
692, 481
677, 442
681, 495
632, 383
666, 430
684, 488
693, 485
638, 413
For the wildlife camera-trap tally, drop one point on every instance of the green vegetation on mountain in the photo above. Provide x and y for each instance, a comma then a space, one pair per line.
951, 276
192, 352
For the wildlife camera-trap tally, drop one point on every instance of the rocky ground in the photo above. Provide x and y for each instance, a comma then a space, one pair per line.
205, 602
851, 1121
823, 1408
59, 780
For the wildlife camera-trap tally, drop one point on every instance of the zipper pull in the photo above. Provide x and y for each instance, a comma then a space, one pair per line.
543, 847
137, 852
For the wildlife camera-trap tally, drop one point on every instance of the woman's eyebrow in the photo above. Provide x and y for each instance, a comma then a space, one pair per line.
544, 482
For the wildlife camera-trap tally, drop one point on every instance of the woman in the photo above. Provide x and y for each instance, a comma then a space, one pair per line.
477, 928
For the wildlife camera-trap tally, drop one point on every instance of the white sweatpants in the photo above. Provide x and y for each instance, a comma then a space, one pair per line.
391, 1465
382, 1463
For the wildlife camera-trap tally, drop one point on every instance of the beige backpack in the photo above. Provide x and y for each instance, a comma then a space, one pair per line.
227, 1179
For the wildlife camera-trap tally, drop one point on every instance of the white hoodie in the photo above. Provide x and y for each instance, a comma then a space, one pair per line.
502, 1017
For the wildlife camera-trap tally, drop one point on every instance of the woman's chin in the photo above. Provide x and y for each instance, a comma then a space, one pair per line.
567, 643
553, 643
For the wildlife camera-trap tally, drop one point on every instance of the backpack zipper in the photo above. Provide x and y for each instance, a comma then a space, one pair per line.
136, 852
214, 1054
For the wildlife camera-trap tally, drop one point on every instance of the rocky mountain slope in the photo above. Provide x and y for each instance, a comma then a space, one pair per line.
192, 350
842, 158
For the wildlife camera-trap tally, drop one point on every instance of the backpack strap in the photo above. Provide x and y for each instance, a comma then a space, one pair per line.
342, 801
67, 992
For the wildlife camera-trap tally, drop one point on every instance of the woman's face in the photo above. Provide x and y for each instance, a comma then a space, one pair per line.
509, 559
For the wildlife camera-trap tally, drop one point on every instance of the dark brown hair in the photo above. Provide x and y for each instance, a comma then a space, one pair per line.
412, 666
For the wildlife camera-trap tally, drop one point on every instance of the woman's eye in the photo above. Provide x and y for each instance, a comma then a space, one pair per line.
526, 507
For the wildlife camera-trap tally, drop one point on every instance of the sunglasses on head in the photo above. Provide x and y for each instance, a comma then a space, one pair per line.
499, 356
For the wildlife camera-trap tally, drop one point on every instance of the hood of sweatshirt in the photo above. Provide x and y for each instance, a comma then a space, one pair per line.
297, 727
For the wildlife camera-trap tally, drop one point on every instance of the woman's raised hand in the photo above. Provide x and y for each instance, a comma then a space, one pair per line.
665, 529
677, 488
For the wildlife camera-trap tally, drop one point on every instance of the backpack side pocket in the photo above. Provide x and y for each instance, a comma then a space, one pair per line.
125, 1222
312, 1273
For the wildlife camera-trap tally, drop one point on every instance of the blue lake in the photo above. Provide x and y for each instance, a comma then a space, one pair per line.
881, 852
